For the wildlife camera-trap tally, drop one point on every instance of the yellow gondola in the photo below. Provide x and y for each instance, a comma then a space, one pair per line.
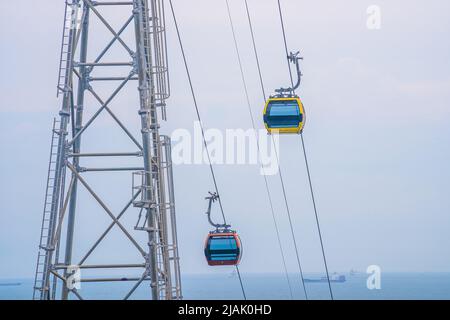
284, 115
284, 112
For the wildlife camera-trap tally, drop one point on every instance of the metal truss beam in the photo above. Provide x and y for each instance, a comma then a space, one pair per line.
153, 196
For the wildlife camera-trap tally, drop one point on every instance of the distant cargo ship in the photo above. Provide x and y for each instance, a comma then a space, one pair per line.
335, 277
12, 284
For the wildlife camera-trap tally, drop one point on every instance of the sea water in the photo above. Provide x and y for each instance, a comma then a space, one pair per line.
264, 286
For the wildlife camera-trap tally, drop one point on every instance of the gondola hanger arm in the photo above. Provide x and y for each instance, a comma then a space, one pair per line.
295, 59
213, 196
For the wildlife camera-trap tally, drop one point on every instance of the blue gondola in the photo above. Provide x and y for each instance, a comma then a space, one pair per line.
222, 246
223, 249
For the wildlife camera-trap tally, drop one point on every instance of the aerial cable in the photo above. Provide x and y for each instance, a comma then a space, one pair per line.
276, 153
255, 51
244, 83
306, 158
285, 42
202, 129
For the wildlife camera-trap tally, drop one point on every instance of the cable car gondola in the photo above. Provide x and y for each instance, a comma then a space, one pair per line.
284, 115
284, 112
223, 249
222, 246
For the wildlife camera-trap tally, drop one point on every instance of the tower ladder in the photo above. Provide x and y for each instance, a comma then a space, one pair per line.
45, 240
70, 21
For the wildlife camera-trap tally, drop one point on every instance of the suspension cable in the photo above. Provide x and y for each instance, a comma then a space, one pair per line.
202, 129
269, 196
276, 153
306, 159
285, 42
255, 51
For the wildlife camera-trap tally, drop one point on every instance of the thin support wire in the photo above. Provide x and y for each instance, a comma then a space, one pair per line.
269, 196
279, 168
201, 126
306, 159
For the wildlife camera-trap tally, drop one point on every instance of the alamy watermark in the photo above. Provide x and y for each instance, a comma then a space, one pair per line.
73, 280
234, 146
374, 279
373, 17
73, 17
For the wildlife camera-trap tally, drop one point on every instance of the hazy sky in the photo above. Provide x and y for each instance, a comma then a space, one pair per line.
378, 132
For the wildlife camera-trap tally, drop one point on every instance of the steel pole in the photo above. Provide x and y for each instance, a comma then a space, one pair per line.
149, 130
82, 84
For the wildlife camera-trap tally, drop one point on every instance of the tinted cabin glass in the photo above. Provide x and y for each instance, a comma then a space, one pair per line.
283, 114
224, 248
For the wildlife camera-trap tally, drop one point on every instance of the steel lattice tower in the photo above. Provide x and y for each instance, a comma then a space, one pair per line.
152, 197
